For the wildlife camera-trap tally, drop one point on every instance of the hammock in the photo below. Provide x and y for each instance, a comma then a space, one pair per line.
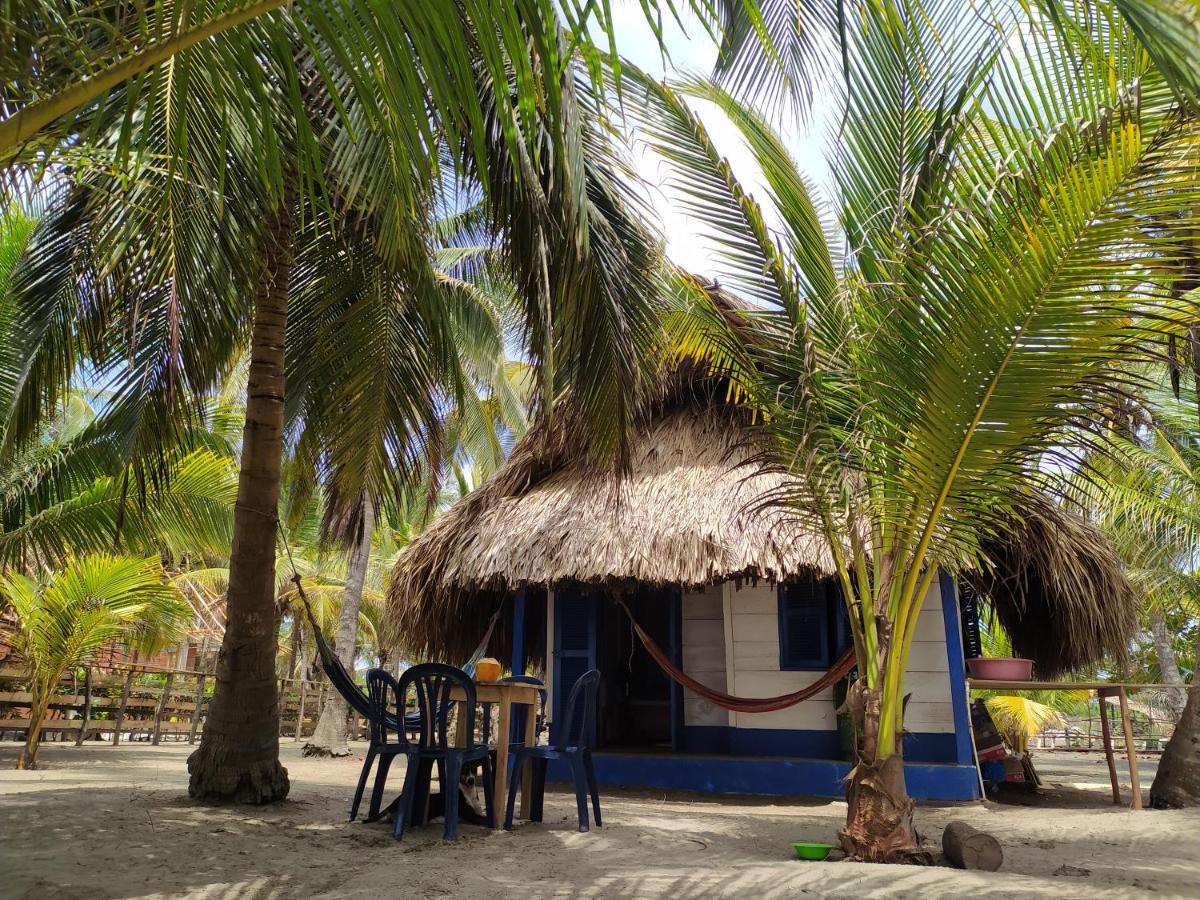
343, 681
728, 701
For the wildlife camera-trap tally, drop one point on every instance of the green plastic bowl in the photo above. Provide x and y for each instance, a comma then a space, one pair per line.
813, 851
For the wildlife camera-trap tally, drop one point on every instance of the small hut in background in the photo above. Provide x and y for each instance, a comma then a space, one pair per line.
741, 596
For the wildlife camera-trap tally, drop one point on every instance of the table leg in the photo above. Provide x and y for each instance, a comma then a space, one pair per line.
500, 780
527, 775
1108, 749
1130, 750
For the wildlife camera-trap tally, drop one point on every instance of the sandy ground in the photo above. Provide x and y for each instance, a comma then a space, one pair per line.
99, 822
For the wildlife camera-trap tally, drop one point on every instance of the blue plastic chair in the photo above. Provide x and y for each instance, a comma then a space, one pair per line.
520, 711
433, 683
578, 735
383, 696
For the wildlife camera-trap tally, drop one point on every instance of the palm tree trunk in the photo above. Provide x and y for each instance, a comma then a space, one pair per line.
329, 737
238, 756
1168, 666
880, 824
33, 740
1177, 782
295, 664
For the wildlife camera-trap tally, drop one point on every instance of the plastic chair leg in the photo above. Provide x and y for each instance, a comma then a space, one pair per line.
514, 788
381, 774
424, 769
581, 796
453, 771
538, 794
362, 784
412, 775
489, 790
589, 768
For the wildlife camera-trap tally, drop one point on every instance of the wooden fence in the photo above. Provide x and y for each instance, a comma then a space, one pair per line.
145, 703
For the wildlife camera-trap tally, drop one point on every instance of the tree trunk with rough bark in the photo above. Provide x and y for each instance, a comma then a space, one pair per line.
329, 737
238, 756
1167, 664
880, 824
1177, 782
33, 740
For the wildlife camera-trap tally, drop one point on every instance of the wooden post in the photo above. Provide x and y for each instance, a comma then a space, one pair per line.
1106, 735
121, 709
196, 710
87, 706
1130, 749
163, 699
300, 713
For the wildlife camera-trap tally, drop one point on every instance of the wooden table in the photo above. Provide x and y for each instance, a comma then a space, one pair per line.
504, 695
1103, 691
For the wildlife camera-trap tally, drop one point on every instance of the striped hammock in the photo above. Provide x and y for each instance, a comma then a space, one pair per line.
728, 701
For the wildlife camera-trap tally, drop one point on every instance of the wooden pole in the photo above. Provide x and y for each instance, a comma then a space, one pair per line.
1106, 735
300, 713
196, 710
163, 699
87, 706
121, 709
1130, 749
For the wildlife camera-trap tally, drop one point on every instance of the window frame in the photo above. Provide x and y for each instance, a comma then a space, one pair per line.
837, 631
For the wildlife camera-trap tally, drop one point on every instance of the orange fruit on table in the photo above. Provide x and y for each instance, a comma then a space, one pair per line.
487, 669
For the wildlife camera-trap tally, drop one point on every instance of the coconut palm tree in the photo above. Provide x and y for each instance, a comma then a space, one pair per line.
974, 286
1150, 504
249, 156
65, 617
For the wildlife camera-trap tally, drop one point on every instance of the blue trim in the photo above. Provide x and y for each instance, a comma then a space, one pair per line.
518, 647
761, 775
519, 633
919, 746
964, 753
678, 735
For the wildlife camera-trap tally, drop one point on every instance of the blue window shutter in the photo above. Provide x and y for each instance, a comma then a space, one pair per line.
843, 636
805, 625
574, 644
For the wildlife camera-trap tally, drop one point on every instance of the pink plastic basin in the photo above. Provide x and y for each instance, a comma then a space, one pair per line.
1003, 669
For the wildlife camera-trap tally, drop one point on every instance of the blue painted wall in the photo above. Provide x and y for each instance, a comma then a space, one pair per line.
767, 776
932, 747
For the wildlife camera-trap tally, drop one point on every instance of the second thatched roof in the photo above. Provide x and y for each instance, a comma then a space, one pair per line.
686, 513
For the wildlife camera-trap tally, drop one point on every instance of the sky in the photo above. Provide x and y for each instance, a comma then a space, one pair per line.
691, 51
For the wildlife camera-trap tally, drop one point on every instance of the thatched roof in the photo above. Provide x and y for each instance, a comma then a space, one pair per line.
685, 513
1059, 589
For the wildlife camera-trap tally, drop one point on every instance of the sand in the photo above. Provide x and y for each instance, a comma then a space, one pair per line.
99, 822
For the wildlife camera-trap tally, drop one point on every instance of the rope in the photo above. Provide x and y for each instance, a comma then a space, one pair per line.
328, 654
728, 701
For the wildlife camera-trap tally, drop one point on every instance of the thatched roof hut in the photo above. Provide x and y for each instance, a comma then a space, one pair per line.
685, 513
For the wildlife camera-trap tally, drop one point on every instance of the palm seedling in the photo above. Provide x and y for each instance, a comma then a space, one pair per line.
92, 601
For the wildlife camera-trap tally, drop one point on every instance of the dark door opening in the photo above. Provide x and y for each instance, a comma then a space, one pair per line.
640, 701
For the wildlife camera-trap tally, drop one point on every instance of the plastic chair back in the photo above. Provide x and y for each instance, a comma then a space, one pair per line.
432, 683
579, 729
520, 712
383, 695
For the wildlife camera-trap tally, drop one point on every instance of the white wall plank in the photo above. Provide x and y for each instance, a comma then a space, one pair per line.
753, 647
704, 653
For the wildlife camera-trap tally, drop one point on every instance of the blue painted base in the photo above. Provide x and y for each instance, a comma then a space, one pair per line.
919, 746
775, 776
